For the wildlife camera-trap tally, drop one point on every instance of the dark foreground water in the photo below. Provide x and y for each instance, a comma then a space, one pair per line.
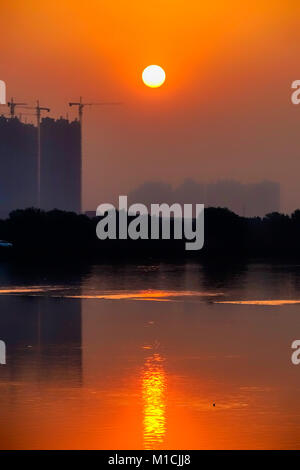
150, 357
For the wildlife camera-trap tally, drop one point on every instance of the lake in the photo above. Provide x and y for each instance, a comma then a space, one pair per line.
150, 357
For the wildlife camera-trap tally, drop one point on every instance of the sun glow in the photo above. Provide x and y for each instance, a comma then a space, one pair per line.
154, 76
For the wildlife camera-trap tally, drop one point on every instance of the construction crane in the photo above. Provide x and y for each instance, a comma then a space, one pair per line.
12, 107
38, 112
81, 105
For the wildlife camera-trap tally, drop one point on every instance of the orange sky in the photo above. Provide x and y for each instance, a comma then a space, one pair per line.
224, 111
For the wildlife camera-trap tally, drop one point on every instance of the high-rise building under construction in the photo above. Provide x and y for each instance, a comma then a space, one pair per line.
18, 165
60, 170
60, 165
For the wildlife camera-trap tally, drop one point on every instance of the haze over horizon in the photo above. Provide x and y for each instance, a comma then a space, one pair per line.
224, 111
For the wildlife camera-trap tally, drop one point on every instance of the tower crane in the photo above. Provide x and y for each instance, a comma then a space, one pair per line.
38, 112
12, 107
81, 105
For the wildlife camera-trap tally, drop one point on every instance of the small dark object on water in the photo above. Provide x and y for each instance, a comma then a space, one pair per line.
214, 404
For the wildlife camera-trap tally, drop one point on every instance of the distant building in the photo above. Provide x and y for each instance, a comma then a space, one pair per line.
60, 165
246, 199
18, 165
250, 200
261, 198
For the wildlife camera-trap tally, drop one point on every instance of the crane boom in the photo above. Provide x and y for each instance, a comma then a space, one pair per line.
12, 107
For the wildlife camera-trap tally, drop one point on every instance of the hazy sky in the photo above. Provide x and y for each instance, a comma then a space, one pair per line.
223, 112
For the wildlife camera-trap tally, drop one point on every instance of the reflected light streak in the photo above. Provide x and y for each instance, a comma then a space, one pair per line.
154, 399
28, 290
162, 295
260, 302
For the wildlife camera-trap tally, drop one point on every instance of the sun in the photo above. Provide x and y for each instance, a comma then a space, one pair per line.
154, 76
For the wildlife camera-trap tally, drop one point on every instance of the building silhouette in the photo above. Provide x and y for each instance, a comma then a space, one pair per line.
60, 165
245, 199
18, 165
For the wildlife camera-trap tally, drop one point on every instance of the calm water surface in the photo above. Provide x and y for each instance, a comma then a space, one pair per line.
150, 357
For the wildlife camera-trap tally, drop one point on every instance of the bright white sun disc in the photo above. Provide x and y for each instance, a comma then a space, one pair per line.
153, 76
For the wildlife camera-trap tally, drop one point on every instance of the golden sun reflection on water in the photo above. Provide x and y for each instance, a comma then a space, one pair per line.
154, 402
